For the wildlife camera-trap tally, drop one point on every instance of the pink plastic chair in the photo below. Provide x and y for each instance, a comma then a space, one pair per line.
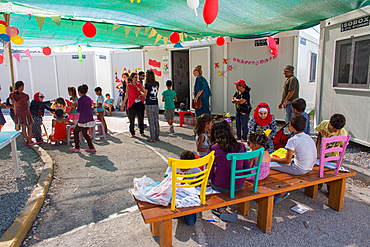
324, 151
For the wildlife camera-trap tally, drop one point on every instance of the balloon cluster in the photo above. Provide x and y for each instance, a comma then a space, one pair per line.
272, 45
9, 33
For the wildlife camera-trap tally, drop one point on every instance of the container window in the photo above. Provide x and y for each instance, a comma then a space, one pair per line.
313, 67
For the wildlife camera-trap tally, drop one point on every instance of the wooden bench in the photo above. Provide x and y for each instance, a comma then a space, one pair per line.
160, 218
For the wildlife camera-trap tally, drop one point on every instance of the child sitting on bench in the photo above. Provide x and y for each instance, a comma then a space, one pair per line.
303, 148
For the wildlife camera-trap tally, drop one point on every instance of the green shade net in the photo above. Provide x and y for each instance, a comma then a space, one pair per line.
238, 19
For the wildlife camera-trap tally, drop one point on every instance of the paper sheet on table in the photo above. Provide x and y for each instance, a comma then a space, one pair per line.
209, 191
187, 197
331, 165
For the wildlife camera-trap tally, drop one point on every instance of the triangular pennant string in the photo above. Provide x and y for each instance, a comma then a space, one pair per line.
27, 52
115, 26
56, 20
165, 40
181, 37
212, 40
158, 38
199, 40
17, 56
152, 33
137, 30
186, 36
40, 21
127, 30
60, 48
146, 30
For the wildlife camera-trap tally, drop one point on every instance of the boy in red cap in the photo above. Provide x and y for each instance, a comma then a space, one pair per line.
37, 108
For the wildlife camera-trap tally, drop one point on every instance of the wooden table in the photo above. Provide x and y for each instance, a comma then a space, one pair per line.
160, 218
182, 114
5, 139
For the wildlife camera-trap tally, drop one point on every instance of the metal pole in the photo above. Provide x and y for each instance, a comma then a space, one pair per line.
7, 20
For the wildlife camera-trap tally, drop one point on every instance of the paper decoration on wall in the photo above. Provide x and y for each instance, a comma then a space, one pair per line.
217, 66
40, 21
27, 52
154, 63
229, 69
17, 56
165, 67
225, 61
156, 72
89, 30
219, 73
210, 11
255, 62
115, 72
115, 26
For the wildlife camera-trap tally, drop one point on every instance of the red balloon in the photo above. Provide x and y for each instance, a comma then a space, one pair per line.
210, 11
174, 38
46, 51
272, 43
89, 29
220, 40
274, 52
1, 58
3, 22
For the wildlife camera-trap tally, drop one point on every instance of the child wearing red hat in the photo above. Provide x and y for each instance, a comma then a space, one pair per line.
241, 99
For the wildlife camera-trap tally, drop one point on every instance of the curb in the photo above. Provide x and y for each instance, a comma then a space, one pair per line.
23, 222
361, 173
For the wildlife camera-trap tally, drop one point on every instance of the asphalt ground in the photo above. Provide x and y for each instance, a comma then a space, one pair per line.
89, 203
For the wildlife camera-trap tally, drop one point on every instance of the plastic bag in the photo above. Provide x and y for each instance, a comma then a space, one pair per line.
146, 189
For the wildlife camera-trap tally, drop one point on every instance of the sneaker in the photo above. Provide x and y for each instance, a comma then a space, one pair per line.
40, 142
74, 149
172, 130
90, 150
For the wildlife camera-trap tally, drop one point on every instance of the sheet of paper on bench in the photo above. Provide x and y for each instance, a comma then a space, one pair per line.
299, 209
187, 197
331, 165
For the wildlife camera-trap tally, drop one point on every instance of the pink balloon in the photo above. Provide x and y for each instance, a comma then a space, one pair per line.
12, 31
272, 43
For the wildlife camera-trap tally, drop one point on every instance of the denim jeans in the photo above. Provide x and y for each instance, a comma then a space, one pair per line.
288, 113
242, 124
190, 219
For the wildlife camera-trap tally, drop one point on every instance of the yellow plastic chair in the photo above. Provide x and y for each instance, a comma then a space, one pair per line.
196, 179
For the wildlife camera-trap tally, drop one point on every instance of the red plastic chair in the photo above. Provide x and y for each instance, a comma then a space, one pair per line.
341, 150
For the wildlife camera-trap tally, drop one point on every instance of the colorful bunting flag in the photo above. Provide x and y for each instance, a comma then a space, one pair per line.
115, 26
181, 37
60, 48
17, 56
199, 40
212, 40
152, 33
127, 30
146, 30
56, 20
185, 35
137, 30
27, 52
158, 38
165, 40
40, 21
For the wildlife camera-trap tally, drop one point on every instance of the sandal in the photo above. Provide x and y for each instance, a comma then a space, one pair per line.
278, 199
143, 134
150, 140
231, 217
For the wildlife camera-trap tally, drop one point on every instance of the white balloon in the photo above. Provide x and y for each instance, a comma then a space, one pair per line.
193, 4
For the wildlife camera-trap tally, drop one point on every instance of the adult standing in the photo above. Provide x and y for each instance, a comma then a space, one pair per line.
290, 92
119, 87
135, 103
140, 80
241, 99
124, 84
151, 105
201, 84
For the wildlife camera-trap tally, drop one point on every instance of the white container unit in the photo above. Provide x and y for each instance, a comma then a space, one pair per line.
344, 72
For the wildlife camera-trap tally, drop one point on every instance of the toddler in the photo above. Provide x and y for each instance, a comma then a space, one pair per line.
60, 127
256, 141
99, 106
169, 98
202, 128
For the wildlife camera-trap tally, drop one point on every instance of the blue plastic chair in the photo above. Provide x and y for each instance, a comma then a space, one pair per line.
244, 156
